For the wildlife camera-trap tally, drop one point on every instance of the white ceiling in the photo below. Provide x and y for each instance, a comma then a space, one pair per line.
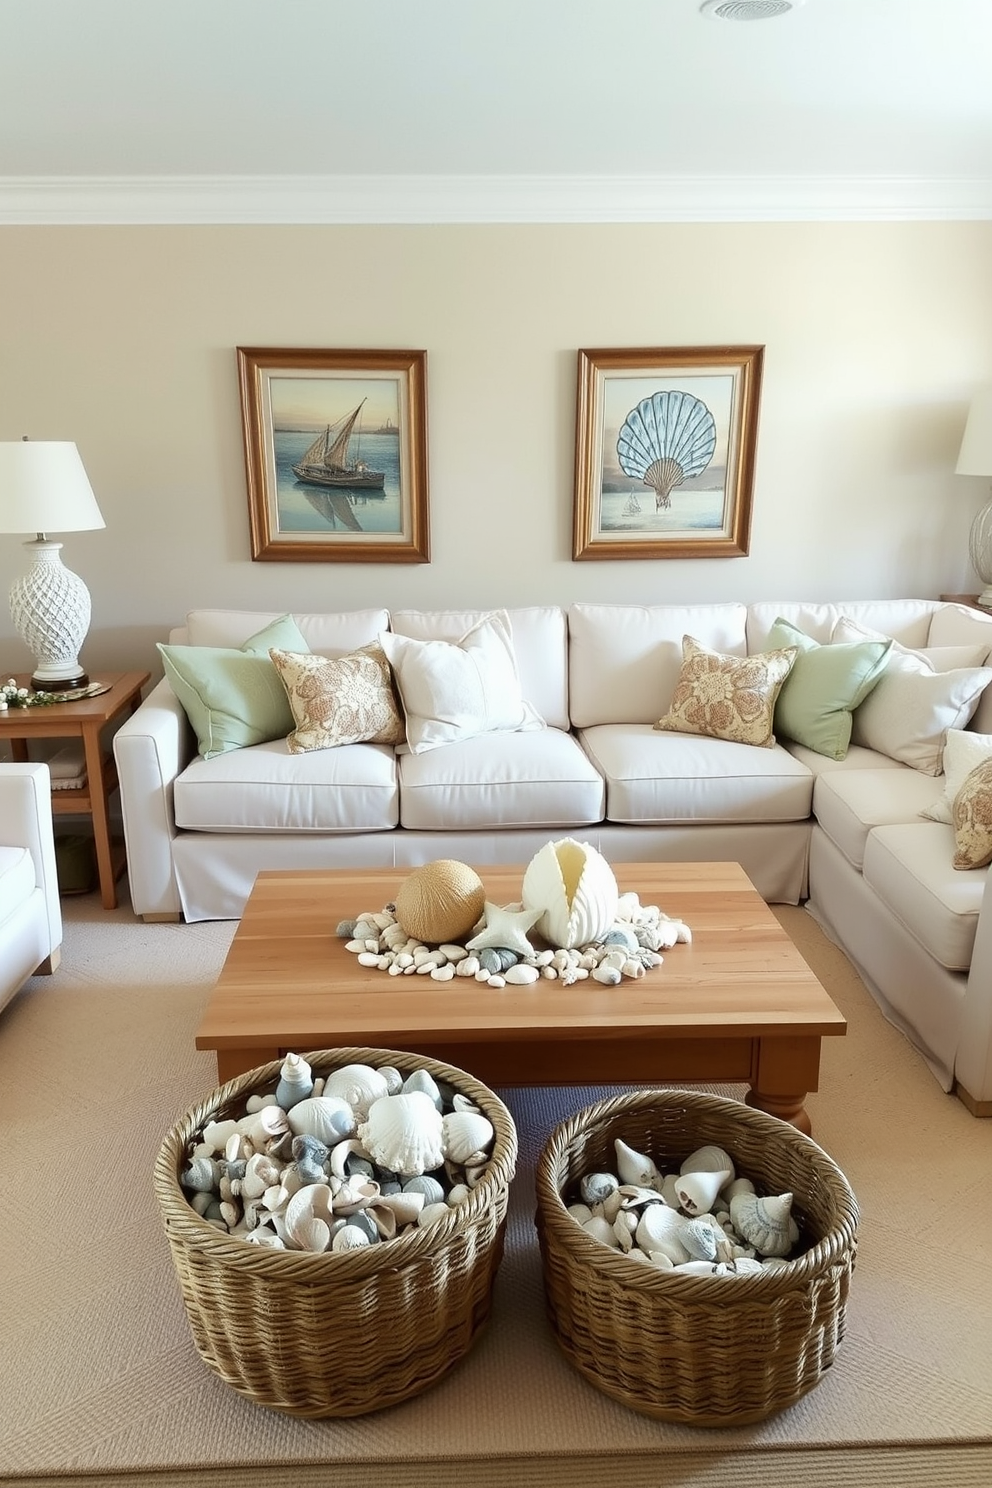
457, 110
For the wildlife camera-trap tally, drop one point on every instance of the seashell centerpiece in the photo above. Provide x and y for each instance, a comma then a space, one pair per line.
576, 891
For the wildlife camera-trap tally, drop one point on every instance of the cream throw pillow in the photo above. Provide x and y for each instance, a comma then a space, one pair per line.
908, 713
344, 700
458, 690
727, 697
962, 752
973, 819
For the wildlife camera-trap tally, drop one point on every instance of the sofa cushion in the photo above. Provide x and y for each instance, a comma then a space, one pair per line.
531, 779
909, 868
727, 697
233, 697
824, 687
540, 646
973, 819
958, 625
667, 778
963, 750
264, 788
455, 690
848, 804
907, 620
339, 700
624, 660
921, 694
332, 634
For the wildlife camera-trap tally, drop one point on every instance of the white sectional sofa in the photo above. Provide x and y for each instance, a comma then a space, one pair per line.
30, 912
845, 834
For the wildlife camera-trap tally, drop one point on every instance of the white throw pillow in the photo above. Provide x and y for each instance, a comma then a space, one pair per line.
962, 752
456, 690
907, 715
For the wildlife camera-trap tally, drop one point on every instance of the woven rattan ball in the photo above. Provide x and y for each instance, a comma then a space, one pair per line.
440, 901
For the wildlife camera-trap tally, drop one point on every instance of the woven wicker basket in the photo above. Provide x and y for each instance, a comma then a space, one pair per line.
707, 1351
338, 1334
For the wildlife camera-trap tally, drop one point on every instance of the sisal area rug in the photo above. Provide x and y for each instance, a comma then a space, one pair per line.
100, 1382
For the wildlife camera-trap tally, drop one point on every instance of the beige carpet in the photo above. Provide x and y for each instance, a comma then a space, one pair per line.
100, 1383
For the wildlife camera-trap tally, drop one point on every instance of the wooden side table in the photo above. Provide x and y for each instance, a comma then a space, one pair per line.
971, 600
86, 720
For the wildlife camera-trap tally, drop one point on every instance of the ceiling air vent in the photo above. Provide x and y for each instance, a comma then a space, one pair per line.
748, 10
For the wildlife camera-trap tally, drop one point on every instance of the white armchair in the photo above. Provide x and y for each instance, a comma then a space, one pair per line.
30, 912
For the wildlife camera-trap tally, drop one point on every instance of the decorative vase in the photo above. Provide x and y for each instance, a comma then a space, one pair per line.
574, 887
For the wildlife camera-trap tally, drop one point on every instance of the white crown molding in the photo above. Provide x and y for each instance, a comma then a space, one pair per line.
70, 200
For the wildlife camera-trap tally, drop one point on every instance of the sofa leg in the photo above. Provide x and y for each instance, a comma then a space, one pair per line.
976, 1107
51, 963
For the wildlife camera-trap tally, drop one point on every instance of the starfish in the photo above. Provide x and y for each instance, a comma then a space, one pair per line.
507, 928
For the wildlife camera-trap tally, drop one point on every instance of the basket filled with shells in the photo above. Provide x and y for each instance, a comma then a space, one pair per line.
336, 1221
697, 1254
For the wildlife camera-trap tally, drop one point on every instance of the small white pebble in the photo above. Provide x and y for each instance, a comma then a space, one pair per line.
453, 952
521, 975
444, 973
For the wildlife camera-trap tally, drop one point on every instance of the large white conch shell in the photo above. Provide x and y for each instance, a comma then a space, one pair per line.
575, 889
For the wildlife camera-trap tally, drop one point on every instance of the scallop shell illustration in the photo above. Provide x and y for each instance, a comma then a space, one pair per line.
665, 440
404, 1133
358, 1084
765, 1222
576, 891
440, 901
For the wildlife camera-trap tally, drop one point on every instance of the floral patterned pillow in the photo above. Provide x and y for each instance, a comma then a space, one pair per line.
973, 819
347, 700
727, 697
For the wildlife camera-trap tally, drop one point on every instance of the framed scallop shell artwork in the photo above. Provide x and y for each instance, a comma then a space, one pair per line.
665, 450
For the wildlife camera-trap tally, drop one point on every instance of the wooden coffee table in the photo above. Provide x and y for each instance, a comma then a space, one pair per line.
739, 1004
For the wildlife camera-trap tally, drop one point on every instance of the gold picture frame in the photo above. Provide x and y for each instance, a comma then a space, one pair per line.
335, 454
665, 451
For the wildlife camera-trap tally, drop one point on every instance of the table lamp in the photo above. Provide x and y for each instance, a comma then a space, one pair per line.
976, 459
43, 488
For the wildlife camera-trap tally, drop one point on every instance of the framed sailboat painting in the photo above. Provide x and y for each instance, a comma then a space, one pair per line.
335, 454
665, 450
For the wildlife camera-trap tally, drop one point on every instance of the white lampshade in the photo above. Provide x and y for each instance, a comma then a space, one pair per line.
975, 458
44, 488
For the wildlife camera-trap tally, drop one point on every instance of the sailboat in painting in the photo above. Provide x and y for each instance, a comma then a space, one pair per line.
328, 460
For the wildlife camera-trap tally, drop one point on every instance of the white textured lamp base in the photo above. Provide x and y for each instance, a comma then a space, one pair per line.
980, 551
50, 607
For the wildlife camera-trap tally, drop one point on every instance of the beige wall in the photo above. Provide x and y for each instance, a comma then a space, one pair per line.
122, 338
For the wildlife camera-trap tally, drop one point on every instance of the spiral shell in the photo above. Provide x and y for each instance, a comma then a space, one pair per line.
358, 1084
440, 901
665, 440
765, 1222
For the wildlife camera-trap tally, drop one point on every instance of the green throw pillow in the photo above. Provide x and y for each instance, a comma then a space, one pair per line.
824, 687
234, 697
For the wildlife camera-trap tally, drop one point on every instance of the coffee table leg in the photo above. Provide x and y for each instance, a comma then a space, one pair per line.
232, 1062
786, 1070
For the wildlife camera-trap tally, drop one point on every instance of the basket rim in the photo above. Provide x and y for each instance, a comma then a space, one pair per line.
184, 1225
553, 1213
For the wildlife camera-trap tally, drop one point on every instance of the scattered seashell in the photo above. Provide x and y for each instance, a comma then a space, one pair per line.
765, 1222
295, 1081
358, 1084
595, 1186
464, 1133
431, 1213
349, 1237
424, 1081
404, 1133
323, 1116
659, 1228
601, 1229
697, 1191
635, 1167
710, 1159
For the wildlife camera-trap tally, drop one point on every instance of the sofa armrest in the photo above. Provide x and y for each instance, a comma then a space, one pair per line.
973, 1063
151, 748
26, 821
